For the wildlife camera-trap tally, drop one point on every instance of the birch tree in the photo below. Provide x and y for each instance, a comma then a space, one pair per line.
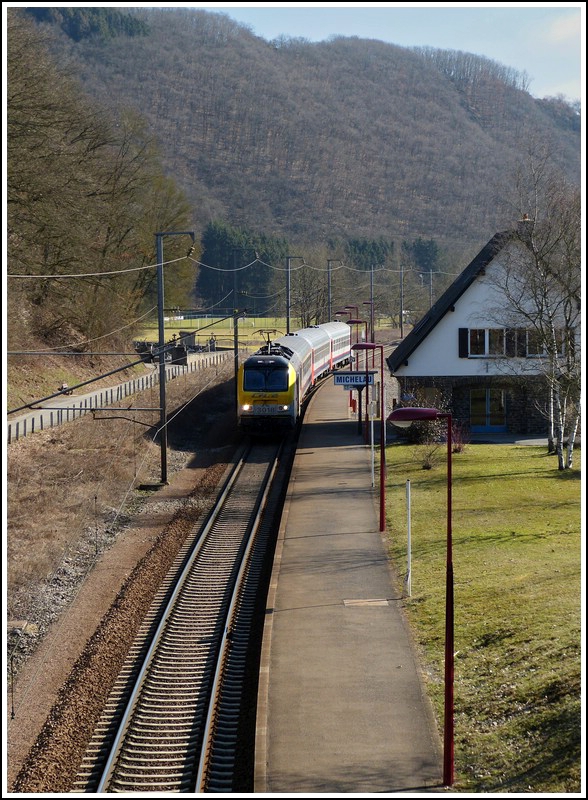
541, 284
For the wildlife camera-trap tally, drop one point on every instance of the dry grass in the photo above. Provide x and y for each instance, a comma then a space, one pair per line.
70, 487
34, 377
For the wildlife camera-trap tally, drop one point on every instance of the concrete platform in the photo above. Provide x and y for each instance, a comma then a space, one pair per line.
341, 705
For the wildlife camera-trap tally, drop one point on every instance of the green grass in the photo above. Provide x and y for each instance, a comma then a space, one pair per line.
517, 575
217, 326
248, 327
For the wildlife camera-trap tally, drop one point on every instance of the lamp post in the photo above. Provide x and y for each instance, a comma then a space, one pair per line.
339, 314
372, 333
359, 322
380, 347
160, 321
356, 322
403, 417
288, 260
353, 308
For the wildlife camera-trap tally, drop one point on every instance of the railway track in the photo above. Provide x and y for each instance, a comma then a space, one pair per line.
173, 721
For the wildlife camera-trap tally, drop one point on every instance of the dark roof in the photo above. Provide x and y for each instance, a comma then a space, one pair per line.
447, 300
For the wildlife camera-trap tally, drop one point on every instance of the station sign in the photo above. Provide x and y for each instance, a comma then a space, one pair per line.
353, 380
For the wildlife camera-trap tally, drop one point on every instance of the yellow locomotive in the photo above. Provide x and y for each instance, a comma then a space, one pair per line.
273, 382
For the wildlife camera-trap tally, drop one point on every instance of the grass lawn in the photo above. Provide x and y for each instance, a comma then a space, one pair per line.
250, 329
222, 328
517, 579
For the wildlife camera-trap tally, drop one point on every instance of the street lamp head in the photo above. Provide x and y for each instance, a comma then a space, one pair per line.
404, 417
365, 346
356, 321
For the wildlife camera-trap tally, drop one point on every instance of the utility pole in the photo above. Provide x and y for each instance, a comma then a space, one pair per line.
401, 301
329, 296
236, 347
372, 317
235, 281
288, 260
160, 324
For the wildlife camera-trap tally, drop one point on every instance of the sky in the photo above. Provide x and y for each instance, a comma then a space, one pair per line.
544, 40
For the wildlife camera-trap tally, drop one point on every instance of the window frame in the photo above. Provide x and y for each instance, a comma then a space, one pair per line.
491, 348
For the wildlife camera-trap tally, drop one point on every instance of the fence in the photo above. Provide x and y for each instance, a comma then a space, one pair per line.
40, 419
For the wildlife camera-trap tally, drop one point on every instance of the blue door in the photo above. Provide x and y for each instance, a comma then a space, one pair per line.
487, 411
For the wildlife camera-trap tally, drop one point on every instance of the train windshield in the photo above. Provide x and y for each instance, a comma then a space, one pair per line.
265, 379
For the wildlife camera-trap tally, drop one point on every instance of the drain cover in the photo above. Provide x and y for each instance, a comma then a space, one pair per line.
380, 602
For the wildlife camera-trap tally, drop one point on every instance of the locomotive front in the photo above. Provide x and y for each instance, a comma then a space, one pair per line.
267, 400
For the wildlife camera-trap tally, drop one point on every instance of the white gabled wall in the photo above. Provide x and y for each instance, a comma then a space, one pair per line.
481, 306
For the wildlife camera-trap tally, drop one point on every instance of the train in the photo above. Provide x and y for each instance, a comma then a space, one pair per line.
273, 383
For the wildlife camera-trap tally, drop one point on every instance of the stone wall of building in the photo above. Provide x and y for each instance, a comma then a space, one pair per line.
525, 398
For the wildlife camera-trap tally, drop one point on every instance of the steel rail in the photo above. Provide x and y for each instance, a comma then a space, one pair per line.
166, 764
115, 750
209, 727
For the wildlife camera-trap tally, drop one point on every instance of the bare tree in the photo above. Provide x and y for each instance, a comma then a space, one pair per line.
309, 293
85, 195
540, 283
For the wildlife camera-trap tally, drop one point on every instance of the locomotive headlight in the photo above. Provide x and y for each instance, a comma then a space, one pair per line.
284, 408
246, 407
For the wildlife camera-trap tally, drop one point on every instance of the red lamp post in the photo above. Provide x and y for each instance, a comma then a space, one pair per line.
372, 329
403, 417
338, 314
361, 322
357, 322
380, 347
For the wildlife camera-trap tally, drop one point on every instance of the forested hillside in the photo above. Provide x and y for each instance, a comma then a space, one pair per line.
342, 138
350, 153
85, 194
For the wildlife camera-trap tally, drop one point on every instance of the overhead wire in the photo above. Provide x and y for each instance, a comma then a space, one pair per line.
65, 559
84, 526
103, 336
154, 437
290, 268
264, 296
214, 305
222, 269
98, 274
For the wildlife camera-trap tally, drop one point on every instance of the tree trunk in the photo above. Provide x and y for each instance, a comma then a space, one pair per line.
551, 435
559, 425
571, 441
